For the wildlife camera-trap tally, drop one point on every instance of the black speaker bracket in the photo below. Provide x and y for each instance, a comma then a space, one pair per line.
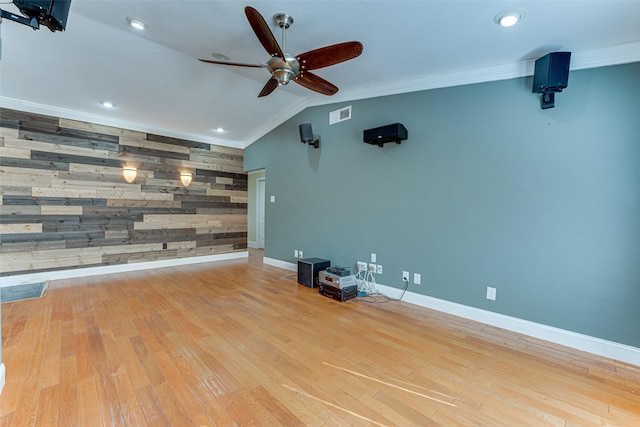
30, 22
547, 100
316, 141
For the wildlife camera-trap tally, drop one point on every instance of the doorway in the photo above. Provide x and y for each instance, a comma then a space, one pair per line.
260, 200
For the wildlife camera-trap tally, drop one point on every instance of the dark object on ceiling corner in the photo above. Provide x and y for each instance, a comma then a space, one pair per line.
50, 13
379, 136
550, 76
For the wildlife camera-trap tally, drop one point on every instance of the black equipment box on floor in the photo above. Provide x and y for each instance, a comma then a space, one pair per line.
339, 294
308, 270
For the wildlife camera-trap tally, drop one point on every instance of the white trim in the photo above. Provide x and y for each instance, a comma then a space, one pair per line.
253, 245
261, 208
598, 346
615, 55
275, 122
66, 113
111, 269
282, 264
2, 377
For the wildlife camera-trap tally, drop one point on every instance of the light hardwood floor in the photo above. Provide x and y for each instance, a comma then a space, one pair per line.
241, 343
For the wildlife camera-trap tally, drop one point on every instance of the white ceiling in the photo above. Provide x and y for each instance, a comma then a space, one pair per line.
157, 84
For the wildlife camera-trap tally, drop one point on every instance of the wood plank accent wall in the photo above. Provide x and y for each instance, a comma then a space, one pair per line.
65, 204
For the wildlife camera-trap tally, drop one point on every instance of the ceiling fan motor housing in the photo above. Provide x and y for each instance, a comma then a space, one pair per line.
283, 70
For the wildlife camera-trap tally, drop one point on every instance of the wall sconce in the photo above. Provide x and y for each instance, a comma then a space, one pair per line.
185, 178
129, 174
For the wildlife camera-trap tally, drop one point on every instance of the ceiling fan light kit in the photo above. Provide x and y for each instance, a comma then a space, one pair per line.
284, 67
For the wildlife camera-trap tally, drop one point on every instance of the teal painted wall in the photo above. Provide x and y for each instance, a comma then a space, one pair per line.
489, 190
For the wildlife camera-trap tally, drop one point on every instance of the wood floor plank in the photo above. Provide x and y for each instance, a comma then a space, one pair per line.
29, 393
134, 370
9, 398
151, 407
207, 392
88, 403
6, 420
131, 410
241, 343
111, 411
69, 411
184, 394
48, 406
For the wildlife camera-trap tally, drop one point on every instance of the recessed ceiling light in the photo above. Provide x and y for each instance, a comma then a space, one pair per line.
108, 104
220, 56
509, 18
136, 23
219, 130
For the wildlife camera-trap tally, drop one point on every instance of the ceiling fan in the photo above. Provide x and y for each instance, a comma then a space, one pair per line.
284, 67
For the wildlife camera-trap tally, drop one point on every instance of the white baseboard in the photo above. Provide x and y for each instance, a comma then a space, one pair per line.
282, 264
2, 377
598, 346
110, 269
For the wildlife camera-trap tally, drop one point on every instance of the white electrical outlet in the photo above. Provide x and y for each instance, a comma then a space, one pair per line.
491, 293
273, 199
373, 258
379, 269
295, 253
417, 278
405, 276
300, 254
362, 266
372, 268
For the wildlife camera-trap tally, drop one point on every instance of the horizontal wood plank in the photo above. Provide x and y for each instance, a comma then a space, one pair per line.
20, 228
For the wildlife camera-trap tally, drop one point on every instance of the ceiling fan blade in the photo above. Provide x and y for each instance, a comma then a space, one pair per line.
271, 85
235, 64
316, 83
263, 32
329, 55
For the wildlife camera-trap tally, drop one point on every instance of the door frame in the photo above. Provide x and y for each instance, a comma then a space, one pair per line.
260, 207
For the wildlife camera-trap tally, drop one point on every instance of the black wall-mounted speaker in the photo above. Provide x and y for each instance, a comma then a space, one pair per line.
50, 13
306, 132
395, 132
551, 72
307, 136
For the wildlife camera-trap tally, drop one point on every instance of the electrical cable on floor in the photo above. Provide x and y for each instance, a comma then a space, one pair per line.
387, 298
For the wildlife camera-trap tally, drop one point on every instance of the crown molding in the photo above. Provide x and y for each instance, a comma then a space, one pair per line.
615, 55
276, 121
65, 113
